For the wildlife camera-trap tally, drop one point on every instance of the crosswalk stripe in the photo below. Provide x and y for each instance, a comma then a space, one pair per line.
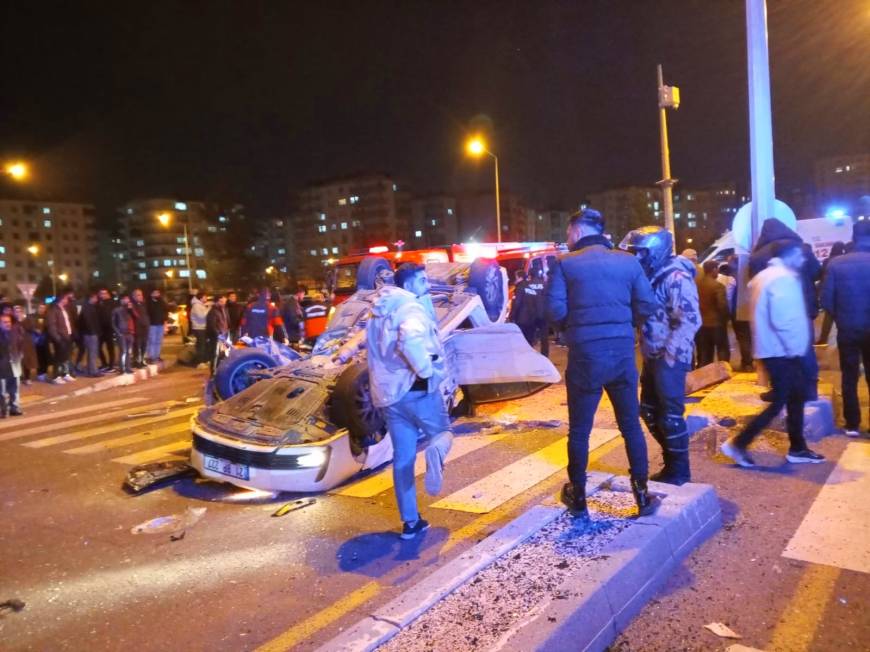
383, 480
153, 454
17, 422
94, 418
137, 438
836, 529
115, 427
490, 491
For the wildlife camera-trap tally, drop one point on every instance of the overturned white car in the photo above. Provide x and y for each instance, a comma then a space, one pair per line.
310, 425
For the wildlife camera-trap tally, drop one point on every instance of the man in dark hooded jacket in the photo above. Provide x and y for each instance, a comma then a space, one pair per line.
774, 234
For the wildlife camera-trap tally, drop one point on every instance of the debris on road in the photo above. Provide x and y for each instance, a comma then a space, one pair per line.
147, 413
144, 476
293, 506
175, 525
502, 424
722, 630
12, 605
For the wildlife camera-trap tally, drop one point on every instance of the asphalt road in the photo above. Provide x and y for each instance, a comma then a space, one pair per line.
242, 580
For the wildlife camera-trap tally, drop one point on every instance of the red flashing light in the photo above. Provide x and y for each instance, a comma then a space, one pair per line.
380, 249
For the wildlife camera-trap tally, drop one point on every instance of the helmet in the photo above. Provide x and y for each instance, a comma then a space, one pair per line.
656, 241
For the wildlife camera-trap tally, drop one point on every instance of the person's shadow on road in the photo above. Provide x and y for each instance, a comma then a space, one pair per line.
376, 554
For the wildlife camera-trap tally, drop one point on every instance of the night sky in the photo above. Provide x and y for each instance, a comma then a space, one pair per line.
247, 101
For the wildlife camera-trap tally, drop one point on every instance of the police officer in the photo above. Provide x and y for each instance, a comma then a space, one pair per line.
599, 294
528, 310
667, 343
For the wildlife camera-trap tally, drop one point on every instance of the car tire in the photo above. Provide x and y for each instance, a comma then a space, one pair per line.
231, 375
372, 272
353, 408
485, 278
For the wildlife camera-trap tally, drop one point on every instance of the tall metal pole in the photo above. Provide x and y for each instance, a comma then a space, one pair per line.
53, 279
187, 260
497, 200
666, 183
760, 121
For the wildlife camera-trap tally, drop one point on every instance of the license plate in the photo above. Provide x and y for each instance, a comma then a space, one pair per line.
225, 467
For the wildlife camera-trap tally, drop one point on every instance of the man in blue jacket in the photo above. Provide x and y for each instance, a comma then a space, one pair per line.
599, 295
846, 296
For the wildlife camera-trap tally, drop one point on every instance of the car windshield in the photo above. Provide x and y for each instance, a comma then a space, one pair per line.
345, 278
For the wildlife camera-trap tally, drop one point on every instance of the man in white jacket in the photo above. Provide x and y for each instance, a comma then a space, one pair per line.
780, 337
406, 367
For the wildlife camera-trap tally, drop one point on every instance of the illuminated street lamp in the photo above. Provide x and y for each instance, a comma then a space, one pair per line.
165, 220
63, 276
476, 147
17, 170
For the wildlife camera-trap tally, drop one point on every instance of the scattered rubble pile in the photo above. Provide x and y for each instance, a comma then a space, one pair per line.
480, 612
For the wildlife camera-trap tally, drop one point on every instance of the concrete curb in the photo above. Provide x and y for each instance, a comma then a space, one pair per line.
605, 598
388, 620
118, 380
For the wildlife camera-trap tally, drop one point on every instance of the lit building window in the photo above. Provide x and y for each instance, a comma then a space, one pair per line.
46, 224
2, 263
222, 218
342, 202
418, 234
325, 251
344, 226
141, 264
2, 249
200, 273
142, 276
180, 206
691, 224
155, 263
322, 217
321, 228
279, 222
335, 250
450, 211
332, 226
313, 252
184, 273
354, 199
690, 197
395, 187
167, 262
212, 228
839, 170
47, 211
140, 243
199, 251
282, 251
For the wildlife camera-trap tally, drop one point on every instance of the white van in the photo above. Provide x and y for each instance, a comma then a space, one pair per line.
821, 233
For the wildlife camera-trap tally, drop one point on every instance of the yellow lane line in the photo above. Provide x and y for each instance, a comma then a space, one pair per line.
129, 439
803, 614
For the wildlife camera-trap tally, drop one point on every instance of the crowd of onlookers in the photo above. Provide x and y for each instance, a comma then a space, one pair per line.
103, 333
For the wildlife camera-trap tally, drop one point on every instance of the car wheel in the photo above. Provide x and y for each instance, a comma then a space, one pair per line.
485, 278
373, 272
233, 374
353, 408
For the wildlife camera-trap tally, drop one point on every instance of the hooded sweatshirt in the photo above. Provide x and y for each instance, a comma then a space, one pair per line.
780, 328
198, 314
669, 332
773, 234
403, 345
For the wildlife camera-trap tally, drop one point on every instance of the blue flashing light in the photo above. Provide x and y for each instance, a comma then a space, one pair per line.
835, 213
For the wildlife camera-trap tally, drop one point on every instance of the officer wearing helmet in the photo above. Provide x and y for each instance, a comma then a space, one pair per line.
599, 295
667, 343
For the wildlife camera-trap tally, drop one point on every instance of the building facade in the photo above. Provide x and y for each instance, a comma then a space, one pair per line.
154, 250
41, 239
843, 183
702, 215
548, 226
628, 208
434, 221
345, 215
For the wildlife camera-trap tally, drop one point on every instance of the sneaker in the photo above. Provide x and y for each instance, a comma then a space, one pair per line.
68, 378
410, 531
26, 382
805, 457
57, 381
739, 455
42, 378
852, 433
434, 471
16, 412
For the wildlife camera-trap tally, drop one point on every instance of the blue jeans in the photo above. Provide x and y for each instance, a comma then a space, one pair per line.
612, 369
92, 346
9, 397
416, 413
155, 342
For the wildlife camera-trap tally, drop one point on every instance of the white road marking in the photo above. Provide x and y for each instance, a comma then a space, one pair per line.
490, 491
383, 480
153, 454
116, 427
137, 438
836, 529
17, 422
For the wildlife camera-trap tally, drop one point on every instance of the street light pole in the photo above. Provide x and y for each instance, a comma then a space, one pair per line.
187, 260
668, 97
497, 198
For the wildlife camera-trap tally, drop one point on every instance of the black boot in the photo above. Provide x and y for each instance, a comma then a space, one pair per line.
646, 503
675, 452
575, 500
